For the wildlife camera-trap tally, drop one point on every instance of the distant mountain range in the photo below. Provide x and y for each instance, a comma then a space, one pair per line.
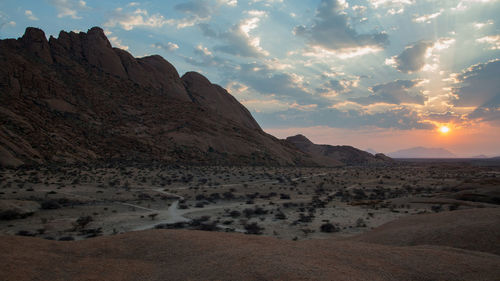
422, 152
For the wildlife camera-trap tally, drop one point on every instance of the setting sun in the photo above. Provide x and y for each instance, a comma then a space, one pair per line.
444, 129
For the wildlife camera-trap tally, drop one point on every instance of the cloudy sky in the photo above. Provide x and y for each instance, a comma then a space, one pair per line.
379, 74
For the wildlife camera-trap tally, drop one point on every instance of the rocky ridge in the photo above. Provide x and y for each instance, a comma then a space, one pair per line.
330, 155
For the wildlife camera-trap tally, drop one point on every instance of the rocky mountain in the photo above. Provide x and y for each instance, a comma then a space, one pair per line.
422, 152
330, 155
76, 98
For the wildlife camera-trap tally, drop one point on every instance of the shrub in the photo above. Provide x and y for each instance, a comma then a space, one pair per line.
360, 223
280, 216
82, 222
284, 196
253, 228
235, 214
328, 227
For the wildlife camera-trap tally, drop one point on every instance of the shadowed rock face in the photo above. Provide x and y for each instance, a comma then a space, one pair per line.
217, 99
75, 98
336, 155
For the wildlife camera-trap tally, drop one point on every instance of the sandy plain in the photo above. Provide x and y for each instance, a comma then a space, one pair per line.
83, 201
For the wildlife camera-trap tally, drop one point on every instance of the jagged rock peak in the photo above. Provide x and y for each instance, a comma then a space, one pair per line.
97, 34
33, 34
35, 41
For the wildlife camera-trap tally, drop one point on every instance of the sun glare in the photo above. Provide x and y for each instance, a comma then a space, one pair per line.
444, 129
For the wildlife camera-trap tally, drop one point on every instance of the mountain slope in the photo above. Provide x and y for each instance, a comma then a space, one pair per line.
330, 155
422, 152
75, 98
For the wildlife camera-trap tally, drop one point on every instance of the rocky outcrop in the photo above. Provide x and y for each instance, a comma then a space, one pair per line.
331, 155
36, 43
75, 98
154, 72
92, 47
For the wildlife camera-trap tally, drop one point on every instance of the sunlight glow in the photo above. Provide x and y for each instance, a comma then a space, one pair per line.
444, 129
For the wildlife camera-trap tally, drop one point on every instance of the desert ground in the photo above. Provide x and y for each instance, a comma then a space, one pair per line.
76, 202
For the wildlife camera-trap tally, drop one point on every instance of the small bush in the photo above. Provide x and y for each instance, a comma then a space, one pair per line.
328, 227
253, 228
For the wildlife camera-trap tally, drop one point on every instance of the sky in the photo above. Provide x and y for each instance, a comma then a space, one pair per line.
378, 74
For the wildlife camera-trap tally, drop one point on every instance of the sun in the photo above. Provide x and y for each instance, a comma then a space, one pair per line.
444, 129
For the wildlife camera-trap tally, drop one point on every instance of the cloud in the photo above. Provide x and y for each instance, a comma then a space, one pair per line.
445, 117
232, 3
206, 58
274, 105
129, 20
399, 117
359, 9
480, 25
207, 30
197, 11
384, 3
237, 40
169, 47
413, 58
5, 21
115, 41
427, 18
394, 7
486, 114
465, 4
493, 41
332, 32
69, 8
266, 80
395, 92
333, 87
478, 86
30, 15
266, 3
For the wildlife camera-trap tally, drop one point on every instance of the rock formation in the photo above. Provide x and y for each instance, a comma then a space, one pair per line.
75, 98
